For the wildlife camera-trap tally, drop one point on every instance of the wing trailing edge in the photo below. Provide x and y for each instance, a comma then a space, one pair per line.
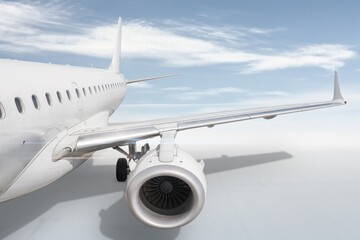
151, 78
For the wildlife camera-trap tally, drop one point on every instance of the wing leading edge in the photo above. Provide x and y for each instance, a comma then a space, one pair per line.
123, 134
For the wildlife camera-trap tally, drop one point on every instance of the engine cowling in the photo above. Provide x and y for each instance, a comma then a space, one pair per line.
166, 194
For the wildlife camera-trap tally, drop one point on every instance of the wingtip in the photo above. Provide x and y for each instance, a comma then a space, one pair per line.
337, 92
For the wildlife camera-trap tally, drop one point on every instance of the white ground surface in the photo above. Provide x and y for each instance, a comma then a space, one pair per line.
279, 179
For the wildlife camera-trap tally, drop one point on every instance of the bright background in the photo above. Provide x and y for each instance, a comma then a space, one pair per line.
233, 54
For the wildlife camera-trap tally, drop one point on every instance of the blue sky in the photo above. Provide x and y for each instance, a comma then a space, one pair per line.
233, 54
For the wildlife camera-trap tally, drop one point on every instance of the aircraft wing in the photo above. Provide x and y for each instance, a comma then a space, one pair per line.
91, 140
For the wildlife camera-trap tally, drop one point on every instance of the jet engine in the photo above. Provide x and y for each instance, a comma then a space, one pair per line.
166, 194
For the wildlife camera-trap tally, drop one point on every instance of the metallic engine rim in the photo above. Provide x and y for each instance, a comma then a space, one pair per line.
149, 218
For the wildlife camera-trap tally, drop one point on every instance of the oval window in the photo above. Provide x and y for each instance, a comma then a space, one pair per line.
20, 105
35, 101
48, 99
59, 96
95, 89
77, 92
90, 90
68, 94
84, 92
2, 111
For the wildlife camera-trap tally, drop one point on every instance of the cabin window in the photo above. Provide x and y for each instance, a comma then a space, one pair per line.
103, 88
99, 88
48, 99
20, 105
59, 96
68, 94
77, 92
90, 91
95, 89
84, 91
2, 111
35, 101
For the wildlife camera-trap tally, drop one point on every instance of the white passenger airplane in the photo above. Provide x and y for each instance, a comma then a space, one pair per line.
53, 117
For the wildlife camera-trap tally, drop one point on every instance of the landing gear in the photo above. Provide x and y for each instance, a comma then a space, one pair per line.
122, 169
122, 165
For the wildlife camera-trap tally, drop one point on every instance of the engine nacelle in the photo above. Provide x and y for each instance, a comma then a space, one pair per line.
166, 195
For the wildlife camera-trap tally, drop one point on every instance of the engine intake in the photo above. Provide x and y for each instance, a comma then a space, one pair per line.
166, 195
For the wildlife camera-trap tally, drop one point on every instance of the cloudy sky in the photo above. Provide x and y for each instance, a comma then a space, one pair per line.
232, 54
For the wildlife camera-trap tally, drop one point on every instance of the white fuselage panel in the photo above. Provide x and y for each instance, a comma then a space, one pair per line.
26, 130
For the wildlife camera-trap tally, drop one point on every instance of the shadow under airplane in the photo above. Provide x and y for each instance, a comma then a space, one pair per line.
117, 222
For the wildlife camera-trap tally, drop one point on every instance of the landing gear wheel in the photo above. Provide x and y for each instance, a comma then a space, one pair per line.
121, 169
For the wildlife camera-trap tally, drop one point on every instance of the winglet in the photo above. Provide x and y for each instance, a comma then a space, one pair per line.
337, 92
115, 62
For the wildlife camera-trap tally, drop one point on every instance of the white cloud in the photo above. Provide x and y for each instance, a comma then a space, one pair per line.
271, 93
176, 89
327, 56
34, 27
218, 33
208, 92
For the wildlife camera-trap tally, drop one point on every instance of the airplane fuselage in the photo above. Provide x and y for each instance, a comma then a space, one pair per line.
39, 104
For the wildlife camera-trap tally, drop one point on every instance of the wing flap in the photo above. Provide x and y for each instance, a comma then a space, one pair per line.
100, 140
